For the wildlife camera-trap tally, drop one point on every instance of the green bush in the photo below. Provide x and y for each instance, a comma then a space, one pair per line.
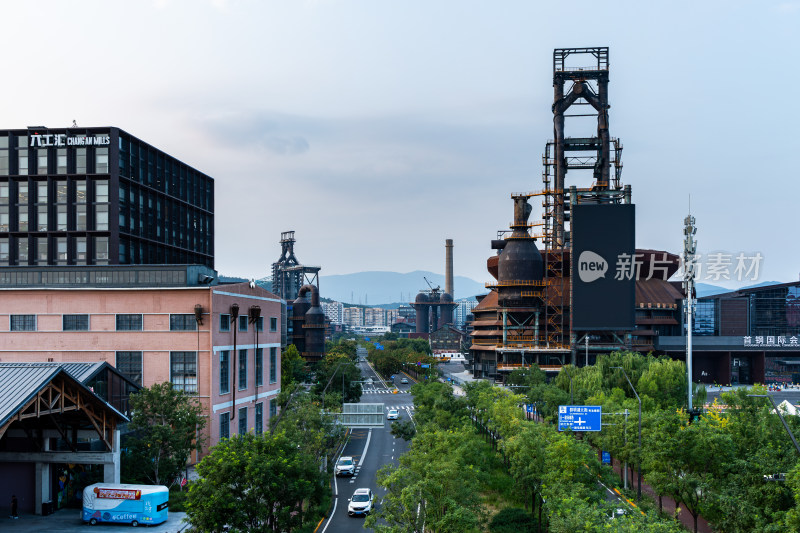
512, 520
177, 499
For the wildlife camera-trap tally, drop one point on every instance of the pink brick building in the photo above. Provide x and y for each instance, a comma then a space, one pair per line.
189, 336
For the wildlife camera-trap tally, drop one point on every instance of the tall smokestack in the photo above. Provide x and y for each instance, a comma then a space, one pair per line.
448, 267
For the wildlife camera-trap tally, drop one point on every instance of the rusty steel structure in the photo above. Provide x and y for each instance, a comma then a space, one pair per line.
288, 275
527, 316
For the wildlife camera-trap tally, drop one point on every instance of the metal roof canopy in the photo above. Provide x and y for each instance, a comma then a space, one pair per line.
38, 390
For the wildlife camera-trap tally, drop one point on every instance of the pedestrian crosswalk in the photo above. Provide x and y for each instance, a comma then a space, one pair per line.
400, 407
382, 391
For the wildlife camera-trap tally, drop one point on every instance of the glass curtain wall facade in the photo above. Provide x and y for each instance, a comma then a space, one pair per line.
99, 196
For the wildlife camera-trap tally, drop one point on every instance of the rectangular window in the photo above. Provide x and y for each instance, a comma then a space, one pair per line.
75, 322
225, 425
4, 168
260, 324
101, 191
100, 250
61, 161
224, 322
101, 217
242, 420
23, 160
273, 324
101, 161
224, 372
242, 369
41, 217
259, 367
5, 254
130, 365
22, 251
183, 371
23, 322
22, 205
273, 365
129, 322
80, 217
243, 323
61, 250
22, 155
41, 161
80, 251
259, 426
41, 250
80, 161
182, 322
273, 408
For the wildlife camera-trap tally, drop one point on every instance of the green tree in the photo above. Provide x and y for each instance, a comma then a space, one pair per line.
166, 426
339, 373
302, 420
254, 484
292, 366
434, 488
664, 381
522, 379
686, 461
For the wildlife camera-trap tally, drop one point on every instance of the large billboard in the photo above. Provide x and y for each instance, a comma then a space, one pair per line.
604, 268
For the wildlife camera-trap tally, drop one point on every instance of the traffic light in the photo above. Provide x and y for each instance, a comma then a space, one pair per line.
694, 414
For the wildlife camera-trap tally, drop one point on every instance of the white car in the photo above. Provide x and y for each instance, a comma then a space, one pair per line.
393, 414
345, 466
360, 503
404, 381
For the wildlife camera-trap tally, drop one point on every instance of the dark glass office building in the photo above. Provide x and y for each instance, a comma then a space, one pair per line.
99, 196
746, 336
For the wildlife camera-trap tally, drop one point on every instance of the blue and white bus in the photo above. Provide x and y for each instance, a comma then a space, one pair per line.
125, 504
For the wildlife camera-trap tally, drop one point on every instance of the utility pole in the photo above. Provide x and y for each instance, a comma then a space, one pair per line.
587, 349
639, 465
689, 251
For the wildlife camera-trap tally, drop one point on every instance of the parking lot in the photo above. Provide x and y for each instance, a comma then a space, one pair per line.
69, 520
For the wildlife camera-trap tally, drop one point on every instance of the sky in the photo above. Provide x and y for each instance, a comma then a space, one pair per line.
376, 130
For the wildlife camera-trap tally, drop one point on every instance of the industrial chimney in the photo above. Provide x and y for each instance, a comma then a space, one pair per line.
448, 267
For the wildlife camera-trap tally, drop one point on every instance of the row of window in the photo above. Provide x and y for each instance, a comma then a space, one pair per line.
133, 322
143, 164
243, 359
225, 323
125, 322
56, 250
46, 161
57, 205
243, 422
182, 369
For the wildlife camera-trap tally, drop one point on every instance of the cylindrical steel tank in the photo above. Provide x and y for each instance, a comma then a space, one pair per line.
422, 307
520, 259
299, 308
314, 326
446, 313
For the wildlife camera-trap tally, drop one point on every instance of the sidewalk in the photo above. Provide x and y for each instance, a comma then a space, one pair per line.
668, 504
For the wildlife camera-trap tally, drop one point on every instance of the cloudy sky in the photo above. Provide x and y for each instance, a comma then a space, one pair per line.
377, 129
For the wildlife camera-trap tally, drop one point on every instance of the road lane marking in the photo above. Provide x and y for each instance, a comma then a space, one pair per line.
366, 447
335, 501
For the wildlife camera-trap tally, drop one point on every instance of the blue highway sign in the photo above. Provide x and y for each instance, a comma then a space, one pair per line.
580, 417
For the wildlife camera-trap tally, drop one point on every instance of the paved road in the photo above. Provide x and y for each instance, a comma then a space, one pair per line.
67, 520
792, 395
371, 448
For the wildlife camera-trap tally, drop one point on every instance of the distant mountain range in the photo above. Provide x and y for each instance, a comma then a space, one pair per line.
378, 288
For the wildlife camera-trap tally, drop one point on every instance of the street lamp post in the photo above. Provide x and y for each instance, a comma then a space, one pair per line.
785, 425
639, 465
